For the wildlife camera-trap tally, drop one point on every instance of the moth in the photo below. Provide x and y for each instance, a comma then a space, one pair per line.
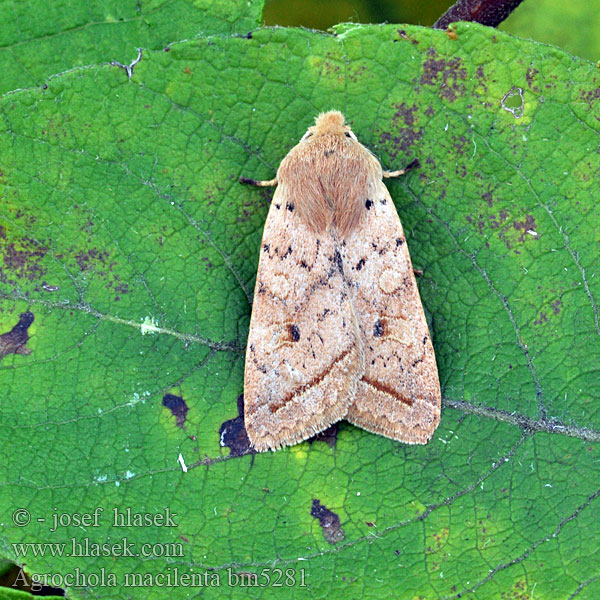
337, 328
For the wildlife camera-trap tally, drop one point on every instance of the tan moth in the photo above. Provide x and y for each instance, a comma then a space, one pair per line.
337, 328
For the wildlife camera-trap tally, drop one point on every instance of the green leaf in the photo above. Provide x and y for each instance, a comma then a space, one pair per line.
128, 239
40, 39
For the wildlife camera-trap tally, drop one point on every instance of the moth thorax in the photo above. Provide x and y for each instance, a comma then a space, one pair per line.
327, 180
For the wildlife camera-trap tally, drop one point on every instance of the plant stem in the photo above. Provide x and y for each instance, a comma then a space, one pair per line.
486, 12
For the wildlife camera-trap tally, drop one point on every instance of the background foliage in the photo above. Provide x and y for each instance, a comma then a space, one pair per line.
572, 25
127, 239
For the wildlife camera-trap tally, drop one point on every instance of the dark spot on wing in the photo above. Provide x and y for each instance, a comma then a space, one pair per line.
266, 247
337, 259
290, 206
368, 204
294, 332
321, 318
378, 328
360, 264
399, 242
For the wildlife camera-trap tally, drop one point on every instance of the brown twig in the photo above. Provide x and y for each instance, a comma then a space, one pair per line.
486, 12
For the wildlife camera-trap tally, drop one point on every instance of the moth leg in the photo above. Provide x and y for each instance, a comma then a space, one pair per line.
413, 165
256, 182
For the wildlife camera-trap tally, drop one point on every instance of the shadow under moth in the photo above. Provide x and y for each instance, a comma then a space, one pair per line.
337, 328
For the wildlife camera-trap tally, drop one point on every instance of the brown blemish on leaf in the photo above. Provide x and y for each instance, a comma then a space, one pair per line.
519, 591
506, 228
329, 521
496, 222
13, 341
329, 436
330, 67
430, 163
253, 205
591, 97
526, 226
402, 137
354, 74
556, 306
439, 540
25, 259
88, 227
459, 144
178, 408
88, 258
122, 288
233, 434
451, 71
406, 113
404, 36
480, 75
488, 198
530, 76
206, 262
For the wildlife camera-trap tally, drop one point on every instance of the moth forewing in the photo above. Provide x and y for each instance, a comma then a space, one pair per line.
399, 394
304, 357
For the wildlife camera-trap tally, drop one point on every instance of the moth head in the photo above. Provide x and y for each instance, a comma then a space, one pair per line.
330, 123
